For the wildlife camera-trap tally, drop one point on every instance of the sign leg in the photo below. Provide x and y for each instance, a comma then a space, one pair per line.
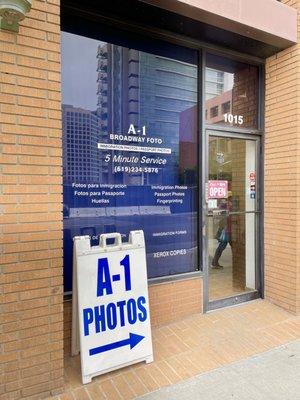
86, 379
75, 321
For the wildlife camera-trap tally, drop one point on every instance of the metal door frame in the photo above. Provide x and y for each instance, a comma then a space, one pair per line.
236, 299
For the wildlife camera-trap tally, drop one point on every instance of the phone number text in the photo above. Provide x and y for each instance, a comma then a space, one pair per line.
121, 168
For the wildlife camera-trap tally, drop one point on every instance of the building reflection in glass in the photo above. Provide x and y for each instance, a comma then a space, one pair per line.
139, 89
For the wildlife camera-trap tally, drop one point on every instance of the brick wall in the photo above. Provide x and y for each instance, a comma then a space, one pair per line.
172, 301
282, 170
169, 302
30, 213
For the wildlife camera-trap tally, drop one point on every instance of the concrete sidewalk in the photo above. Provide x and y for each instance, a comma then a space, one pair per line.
273, 375
184, 349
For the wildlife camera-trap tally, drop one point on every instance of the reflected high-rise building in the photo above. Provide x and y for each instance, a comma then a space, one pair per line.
145, 90
118, 97
82, 160
118, 88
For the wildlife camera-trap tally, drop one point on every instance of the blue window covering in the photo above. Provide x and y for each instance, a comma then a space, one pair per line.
138, 94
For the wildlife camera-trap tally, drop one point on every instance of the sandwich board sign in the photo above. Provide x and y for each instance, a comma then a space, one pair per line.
110, 304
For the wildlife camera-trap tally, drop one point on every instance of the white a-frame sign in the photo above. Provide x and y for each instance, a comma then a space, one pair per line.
110, 304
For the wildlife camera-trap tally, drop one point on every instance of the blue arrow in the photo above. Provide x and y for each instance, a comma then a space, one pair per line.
133, 340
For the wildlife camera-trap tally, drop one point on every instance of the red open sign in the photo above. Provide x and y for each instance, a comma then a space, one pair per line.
217, 189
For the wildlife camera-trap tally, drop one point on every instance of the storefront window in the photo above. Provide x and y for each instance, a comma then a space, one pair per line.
130, 148
231, 91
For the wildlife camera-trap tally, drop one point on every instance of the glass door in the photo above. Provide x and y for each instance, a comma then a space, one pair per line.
232, 219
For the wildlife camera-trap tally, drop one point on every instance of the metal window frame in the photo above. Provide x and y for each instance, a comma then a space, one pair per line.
241, 133
202, 48
159, 34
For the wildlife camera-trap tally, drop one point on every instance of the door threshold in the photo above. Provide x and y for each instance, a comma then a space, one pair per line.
232, 301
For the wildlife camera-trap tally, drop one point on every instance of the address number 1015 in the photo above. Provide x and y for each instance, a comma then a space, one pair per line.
234, 119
